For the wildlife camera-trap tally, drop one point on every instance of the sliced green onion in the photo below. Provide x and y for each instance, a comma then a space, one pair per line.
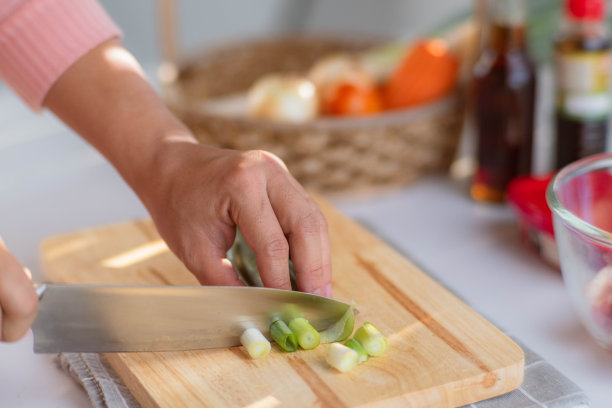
340, 330
371, 339
307, 336
342, 357
255, 343
355, 345
283, 336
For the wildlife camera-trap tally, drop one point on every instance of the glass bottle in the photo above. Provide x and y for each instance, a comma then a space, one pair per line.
504, 83
582, 62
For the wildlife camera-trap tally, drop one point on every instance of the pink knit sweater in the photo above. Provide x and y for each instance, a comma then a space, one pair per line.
40, 39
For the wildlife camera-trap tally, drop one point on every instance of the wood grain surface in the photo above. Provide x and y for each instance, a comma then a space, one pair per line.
441, 353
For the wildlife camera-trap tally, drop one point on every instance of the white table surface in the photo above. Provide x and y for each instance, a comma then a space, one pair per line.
51, 182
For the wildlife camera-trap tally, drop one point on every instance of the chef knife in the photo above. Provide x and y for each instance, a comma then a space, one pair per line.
120, 318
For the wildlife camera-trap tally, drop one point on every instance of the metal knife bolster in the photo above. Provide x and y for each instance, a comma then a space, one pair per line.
115, 318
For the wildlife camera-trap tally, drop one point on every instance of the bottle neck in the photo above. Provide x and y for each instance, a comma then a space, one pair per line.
582, 35
504, 38
506, 25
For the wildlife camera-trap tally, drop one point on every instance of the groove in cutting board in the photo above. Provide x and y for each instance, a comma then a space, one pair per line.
423, 316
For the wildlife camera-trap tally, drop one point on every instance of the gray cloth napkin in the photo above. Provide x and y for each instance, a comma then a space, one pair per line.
544, 386
102, 384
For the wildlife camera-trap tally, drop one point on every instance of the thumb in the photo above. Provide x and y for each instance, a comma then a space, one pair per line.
18, 299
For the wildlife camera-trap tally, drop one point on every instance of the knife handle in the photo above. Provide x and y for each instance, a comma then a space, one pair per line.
40, 289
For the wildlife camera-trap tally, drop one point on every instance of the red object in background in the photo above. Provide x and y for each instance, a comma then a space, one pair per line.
527, 197
585, 9
589, 197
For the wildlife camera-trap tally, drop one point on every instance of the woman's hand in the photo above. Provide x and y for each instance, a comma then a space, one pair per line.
198, 195
18, 299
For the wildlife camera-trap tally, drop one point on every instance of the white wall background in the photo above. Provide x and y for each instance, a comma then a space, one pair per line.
203, 22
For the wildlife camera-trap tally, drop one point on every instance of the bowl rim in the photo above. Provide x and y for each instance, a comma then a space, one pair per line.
582, 166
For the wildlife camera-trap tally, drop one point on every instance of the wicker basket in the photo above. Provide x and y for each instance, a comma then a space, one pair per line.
327, 154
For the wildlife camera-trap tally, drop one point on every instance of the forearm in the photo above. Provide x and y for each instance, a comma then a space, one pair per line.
106, 98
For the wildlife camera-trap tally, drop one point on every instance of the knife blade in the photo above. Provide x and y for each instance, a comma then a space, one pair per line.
125, 318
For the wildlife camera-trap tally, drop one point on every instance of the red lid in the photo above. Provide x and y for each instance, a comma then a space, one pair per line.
585, 9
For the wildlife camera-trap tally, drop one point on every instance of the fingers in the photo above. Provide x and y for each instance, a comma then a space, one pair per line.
18, 299
211, 193
277, 217
219, 272
325, 244
207, 260
326, 259
306, 229
265, 237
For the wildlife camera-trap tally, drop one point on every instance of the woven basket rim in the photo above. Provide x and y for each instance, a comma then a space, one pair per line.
382, 119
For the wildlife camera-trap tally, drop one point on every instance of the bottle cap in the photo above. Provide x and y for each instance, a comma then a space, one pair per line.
585, 9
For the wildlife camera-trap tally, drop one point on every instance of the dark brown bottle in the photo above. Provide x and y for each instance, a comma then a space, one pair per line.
582, 59
504, 84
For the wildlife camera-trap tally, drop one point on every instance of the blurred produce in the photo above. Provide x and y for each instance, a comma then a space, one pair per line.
583, 60
427, 71
385, 78
345, 86
352, 100
504, 102
283, 98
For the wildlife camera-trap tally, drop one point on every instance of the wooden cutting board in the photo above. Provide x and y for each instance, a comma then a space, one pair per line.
441, 353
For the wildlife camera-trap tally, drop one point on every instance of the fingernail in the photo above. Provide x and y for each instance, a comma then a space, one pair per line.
328, 291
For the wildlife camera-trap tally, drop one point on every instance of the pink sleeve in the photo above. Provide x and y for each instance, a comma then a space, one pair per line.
40, 39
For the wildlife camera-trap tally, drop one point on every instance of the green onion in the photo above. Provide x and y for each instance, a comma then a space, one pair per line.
307, 336
340, 330
355, 345
283, 336
255, 343
371, 339
342, 357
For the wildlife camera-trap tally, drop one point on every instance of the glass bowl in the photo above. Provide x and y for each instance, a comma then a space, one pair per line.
580, 197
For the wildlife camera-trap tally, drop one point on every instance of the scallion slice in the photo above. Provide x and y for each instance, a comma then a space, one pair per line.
340, 330
371, 339
283, 336
255, 343
342, 357
355, 345
307, 337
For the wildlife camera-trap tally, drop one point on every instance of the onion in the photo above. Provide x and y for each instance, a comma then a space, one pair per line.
283, 98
